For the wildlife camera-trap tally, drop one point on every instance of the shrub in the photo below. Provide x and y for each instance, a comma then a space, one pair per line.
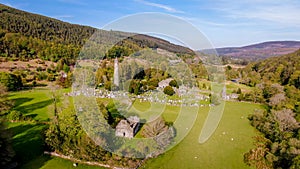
42, 76
51, 77
239, 91
34, 83
107, 85
39, 69
15, 115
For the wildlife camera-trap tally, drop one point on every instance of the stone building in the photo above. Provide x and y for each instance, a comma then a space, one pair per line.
162, 84
128, 127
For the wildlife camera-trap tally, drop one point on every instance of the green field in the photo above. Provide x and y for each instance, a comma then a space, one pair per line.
220, 151
27, 136
224, 149
231, 86
34, 103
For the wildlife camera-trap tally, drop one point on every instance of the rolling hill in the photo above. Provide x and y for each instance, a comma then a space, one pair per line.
258, 51
36, 36
284, 69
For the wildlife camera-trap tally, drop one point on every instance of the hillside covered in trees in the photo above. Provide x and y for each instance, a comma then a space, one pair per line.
26, 36
284, 70
55, 45
276, 83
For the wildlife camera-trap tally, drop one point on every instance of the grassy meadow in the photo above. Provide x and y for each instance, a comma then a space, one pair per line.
224, 149
27, 136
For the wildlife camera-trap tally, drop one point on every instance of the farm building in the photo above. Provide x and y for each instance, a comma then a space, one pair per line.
128, 127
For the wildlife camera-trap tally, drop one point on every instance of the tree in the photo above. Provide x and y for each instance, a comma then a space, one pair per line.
65, 80
286, 120
204, 86
66, 68
279, 145
107, 85
241, 97
277, 100
295, 79
118, 51
257, 156
11, 81
153, 82
51, 77
106, 114
173, 83
154, 128
239, 91
53, 137
134, 87
5, 103
169, 90
257, 95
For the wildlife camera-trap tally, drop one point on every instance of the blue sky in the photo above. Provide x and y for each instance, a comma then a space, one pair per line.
223, 22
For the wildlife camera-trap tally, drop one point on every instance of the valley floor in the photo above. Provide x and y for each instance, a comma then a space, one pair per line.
224, 149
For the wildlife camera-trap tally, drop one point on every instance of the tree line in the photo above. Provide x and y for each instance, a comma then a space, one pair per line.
276, 84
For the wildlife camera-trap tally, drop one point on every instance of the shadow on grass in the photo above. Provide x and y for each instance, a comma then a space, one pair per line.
31, 107
36, 163
28, 144
20, 101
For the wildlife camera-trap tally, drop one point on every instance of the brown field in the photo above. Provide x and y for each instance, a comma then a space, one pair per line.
31, 65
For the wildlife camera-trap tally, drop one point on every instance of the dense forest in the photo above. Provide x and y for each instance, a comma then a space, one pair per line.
25, 36
276, 84
43, 28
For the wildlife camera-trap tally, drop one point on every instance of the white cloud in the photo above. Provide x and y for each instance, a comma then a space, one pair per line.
161, 6
277, 12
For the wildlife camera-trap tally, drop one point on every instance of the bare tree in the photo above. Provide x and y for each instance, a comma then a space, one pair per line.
154, 128
286, 120
277, 99
277, 88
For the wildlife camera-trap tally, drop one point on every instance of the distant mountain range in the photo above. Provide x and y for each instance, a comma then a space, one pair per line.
258, 51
